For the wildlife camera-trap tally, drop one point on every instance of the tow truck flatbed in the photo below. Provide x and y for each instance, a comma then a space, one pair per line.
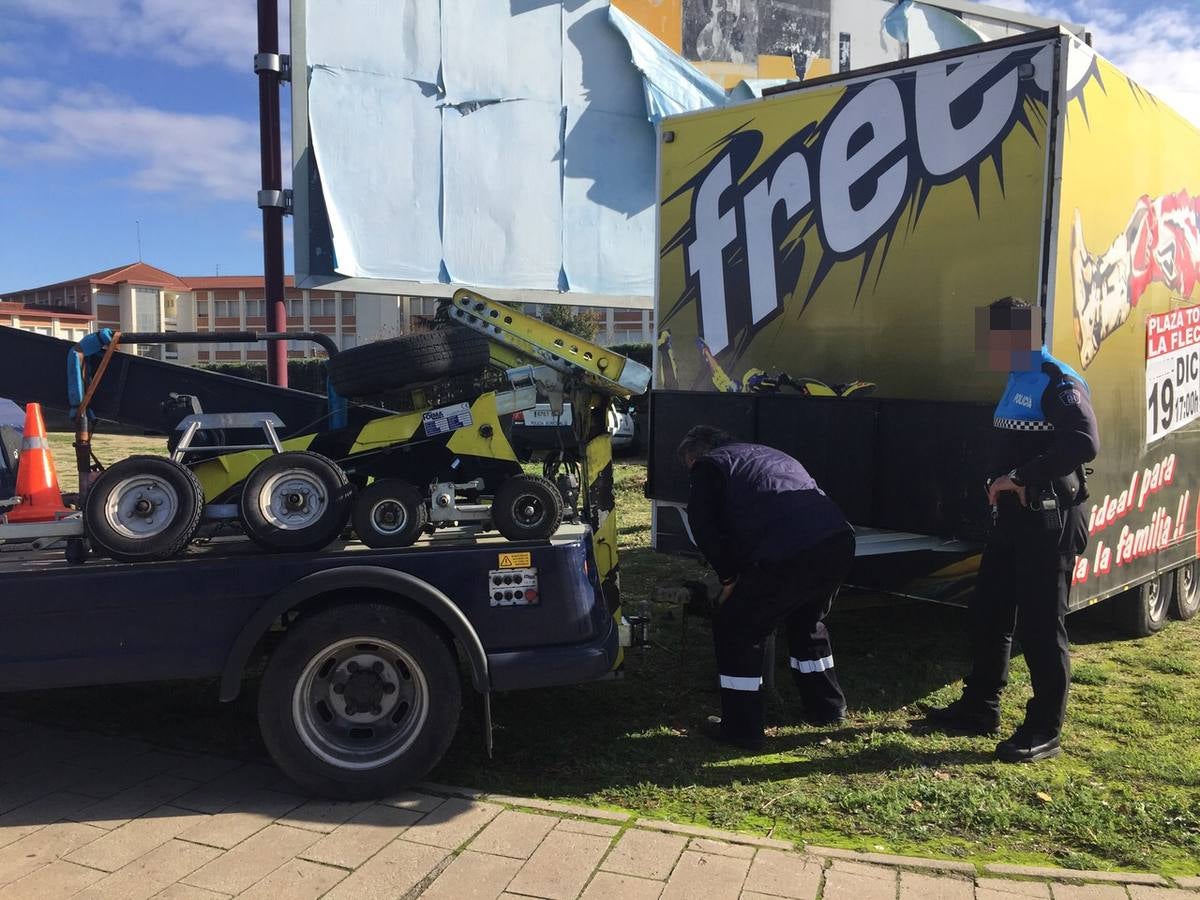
201, 615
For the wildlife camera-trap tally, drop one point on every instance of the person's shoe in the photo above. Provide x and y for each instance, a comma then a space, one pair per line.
714, 729
1028, 745
963, 716
827, 720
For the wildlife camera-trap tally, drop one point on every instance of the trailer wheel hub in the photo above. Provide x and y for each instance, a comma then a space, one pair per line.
389, 517
293, 499
141, 506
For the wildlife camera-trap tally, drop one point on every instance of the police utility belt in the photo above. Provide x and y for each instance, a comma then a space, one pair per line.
1048, 503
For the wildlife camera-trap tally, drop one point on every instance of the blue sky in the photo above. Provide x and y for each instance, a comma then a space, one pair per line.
117, 111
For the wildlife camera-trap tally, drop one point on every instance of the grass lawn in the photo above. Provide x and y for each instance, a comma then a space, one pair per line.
109, 448
1125, 794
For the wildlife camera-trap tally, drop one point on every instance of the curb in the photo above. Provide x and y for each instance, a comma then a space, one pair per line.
920, 863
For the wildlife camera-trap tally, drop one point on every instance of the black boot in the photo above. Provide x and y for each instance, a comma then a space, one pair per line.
963, 716
714, 729
1029, 744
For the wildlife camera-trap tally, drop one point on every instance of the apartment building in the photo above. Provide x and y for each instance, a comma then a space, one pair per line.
141, 297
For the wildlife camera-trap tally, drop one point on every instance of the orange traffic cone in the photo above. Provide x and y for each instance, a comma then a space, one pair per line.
37, 481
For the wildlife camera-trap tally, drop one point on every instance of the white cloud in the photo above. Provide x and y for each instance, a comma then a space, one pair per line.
185, 32
1156, 44
200, 155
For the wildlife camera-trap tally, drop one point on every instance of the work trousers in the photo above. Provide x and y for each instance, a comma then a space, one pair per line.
1023, 585
798, 594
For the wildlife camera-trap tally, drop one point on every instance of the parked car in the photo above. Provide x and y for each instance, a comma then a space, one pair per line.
535, 429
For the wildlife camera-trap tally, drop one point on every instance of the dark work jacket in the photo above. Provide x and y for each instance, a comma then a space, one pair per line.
750, 503
1044, 427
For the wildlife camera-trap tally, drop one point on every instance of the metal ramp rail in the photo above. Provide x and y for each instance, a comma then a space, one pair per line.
33, 368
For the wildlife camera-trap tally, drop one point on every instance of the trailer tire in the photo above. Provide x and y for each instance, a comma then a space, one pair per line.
359, 701
1187, 592
408, 360
389, 513
1143, 609
527, 508
143, 508
295, 502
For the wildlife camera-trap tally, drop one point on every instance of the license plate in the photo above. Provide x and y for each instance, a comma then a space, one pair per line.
545, 417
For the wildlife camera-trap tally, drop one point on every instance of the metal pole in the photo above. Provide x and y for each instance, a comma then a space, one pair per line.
272, 181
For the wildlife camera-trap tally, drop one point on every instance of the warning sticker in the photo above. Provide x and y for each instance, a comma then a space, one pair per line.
515, 560
447, 419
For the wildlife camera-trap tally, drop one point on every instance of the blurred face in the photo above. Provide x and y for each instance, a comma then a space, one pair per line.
1008, 340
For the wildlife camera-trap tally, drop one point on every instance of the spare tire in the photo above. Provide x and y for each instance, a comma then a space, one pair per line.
408, 360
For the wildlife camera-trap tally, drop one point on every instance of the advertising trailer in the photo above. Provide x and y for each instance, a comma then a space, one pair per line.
822, 255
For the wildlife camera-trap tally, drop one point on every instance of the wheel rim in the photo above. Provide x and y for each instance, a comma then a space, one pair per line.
529, 510
1187, 587
1156, 600
140, 507
389, 517
360, 703
293, 500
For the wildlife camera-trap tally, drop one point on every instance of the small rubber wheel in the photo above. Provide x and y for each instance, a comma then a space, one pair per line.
527, 507
1144, 608
359, 701
76, 551
389, 513
295, 501
1187, 593
143, 508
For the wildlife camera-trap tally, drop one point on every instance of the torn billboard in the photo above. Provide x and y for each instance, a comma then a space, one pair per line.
509, 145
527, 165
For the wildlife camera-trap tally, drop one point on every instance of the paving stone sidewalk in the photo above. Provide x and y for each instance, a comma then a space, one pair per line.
94, 817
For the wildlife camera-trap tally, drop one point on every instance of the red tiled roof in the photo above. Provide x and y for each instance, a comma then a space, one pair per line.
42, 312
137, 273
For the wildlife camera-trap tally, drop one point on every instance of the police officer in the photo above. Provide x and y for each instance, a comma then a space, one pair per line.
781, 549
1044, 432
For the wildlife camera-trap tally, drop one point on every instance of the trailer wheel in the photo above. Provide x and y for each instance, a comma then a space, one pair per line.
1187, 593
527, 507
1143, 609
407, 360
359, 701
295, 501
390, 513
143, 508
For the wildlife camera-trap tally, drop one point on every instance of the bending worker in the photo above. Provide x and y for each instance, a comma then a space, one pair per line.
1044, 432
781, 549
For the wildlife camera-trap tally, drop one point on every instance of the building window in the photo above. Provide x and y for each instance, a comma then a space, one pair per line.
202, 308
322, 308
254, 308
348, 306
170, 351
295, 309
349, 340
225, 309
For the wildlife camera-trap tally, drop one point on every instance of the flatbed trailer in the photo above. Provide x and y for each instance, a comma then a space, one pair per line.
343, 632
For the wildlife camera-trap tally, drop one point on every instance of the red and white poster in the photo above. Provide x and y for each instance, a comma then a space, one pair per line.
1172, 371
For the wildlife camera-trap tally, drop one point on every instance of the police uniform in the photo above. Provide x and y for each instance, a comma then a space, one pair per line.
760, 518
1044, 433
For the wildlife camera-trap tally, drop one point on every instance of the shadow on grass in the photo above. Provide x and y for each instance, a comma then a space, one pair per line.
637, 729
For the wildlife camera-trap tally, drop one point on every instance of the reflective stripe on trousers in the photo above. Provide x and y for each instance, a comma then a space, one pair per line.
741, 683
808, 666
